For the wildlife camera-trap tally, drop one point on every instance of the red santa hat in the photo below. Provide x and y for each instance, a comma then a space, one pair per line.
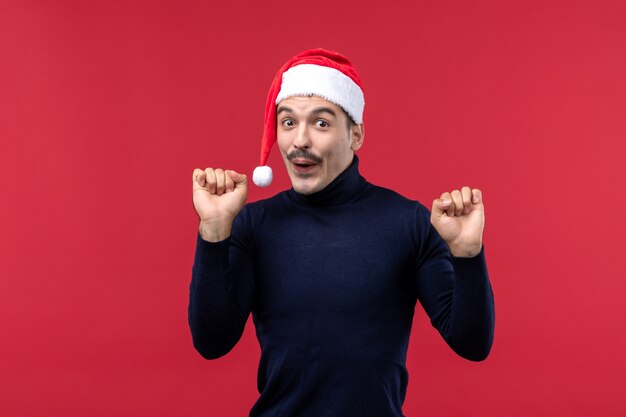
317, 72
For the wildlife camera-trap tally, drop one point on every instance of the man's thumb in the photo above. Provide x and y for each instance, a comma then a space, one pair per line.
439, 208
238, 179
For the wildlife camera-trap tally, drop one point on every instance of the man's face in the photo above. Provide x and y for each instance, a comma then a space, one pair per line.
316, 141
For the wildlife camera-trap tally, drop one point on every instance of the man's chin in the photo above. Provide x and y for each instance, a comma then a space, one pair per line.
305, 186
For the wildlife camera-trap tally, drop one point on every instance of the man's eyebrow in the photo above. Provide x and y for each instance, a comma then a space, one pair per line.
314, 112
324, 110
283, 109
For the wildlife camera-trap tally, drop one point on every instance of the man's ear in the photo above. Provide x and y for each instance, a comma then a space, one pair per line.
357, 133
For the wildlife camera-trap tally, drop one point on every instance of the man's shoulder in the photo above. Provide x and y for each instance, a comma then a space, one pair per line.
257, 208
255, 213
390, 196
264, 203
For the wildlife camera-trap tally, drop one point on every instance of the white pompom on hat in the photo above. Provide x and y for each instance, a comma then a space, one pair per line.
317, 72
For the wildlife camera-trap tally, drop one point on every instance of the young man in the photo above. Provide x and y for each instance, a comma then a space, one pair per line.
332, 268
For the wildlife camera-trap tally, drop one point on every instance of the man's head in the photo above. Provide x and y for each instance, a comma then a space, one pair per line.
317, 141
315, 112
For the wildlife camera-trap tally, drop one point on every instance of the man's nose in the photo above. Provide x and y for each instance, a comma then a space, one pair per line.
303, 137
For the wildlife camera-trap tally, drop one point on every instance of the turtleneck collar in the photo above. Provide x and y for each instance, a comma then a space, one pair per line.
342, 189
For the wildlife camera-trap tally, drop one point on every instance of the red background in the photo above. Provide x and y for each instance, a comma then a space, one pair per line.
107, 107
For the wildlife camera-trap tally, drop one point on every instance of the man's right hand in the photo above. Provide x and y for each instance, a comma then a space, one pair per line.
218, 196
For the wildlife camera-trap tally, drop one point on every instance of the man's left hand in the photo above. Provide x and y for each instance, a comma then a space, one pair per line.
459, 218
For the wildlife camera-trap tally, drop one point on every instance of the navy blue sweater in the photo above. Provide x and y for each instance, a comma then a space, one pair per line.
332, 280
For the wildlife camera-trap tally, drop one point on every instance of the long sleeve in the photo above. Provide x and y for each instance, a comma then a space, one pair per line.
220, 294
456, 294
332, 280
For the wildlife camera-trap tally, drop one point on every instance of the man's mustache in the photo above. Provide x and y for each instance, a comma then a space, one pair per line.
304, 154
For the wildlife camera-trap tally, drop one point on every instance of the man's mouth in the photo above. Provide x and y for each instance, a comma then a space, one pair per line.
303, 165
303, 161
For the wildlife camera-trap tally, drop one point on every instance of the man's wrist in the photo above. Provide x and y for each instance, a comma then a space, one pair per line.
465, 251
214, 231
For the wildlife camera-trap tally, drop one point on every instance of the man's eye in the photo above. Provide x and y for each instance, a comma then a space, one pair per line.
321, 123
288, 123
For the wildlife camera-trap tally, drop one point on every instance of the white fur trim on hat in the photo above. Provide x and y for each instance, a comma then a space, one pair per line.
327, 83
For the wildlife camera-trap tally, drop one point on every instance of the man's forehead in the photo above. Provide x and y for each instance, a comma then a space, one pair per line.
308, 104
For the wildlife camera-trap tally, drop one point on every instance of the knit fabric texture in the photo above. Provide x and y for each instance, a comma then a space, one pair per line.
332, 280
